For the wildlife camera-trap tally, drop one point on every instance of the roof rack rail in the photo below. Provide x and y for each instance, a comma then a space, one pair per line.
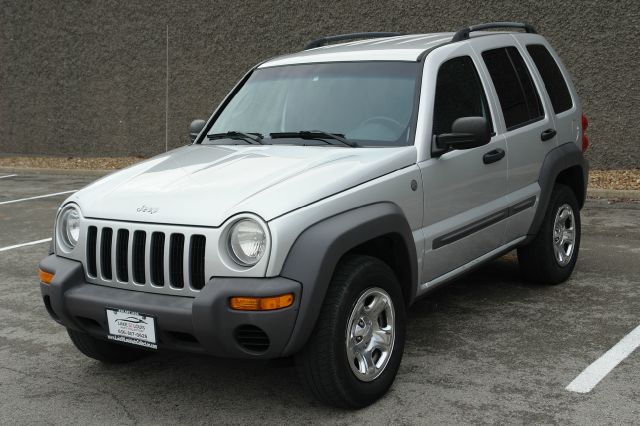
463, 34
342, 37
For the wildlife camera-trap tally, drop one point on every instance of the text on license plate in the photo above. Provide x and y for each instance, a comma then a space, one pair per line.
131, 327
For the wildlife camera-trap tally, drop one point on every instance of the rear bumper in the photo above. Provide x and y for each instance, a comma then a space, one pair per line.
202, 324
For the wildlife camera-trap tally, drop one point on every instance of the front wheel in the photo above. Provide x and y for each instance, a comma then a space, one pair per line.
354, 352
552, 255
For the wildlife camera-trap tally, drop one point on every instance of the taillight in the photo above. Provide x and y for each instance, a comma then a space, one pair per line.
585, 138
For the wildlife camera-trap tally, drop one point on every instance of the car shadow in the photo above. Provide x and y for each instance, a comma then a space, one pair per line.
192, 381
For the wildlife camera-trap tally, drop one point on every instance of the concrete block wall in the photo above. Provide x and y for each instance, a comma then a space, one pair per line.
80, 77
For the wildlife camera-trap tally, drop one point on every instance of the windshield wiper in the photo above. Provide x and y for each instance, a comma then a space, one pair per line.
316, 134
252, 138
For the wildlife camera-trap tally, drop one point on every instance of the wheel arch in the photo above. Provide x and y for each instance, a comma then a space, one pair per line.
317, 251
566, 165
574, 178
391, 249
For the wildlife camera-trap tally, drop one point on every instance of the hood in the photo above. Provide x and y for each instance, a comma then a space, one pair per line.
204, 185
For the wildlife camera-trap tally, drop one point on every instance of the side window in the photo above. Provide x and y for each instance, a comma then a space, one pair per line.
552, 76
518, 97
459, 93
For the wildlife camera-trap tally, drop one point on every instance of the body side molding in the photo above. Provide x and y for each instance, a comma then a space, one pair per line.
483, 223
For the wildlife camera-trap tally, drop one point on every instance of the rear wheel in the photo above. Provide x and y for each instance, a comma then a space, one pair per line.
353, 354
552, 255
104, 351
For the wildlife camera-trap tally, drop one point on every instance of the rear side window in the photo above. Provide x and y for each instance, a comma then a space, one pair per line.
518, 97
459, 93
552, 76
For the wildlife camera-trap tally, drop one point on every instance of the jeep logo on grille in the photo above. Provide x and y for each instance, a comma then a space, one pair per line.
146, 209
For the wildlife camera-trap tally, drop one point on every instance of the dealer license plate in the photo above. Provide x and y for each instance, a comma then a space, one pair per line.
132, 327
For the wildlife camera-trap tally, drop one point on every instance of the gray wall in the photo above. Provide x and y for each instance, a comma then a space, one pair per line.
88, 77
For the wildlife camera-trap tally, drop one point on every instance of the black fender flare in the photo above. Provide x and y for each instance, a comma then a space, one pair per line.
318, 249
557, 160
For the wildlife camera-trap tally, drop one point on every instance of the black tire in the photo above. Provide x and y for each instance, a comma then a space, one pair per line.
323, 363
104, 351
538, 258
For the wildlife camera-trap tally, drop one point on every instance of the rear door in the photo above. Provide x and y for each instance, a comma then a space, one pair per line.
464, 202
530, 131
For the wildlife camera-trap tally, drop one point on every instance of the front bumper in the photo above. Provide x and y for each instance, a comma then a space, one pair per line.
204, 323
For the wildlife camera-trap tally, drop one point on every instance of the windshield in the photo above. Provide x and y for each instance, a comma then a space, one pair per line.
370, 103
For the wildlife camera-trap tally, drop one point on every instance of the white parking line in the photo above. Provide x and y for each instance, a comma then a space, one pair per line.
36, 197
597, 371
2, 177
30, 243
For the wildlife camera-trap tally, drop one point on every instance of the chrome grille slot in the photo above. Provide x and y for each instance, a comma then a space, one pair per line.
196, 261
122, 255
156, 258
164, 259
138, 256
105, 253
176, 256
92, 268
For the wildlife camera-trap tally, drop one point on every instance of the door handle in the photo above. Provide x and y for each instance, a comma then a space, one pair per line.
548, 134
493, 156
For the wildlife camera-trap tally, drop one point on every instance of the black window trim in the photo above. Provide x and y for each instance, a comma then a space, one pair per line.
542, 104
482, 84
525, 124
565, 78
521, 84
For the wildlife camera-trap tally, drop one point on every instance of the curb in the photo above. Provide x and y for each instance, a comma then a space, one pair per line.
43, 171
616, 194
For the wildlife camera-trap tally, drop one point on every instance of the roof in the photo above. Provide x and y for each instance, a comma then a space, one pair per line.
398, 48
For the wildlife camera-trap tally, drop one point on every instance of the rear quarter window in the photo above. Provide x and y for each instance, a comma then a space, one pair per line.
553, 79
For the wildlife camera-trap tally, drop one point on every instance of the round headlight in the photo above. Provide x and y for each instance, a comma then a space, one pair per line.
247, 242
69, 228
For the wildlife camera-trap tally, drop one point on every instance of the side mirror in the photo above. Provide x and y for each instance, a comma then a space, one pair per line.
466, 133
195, 128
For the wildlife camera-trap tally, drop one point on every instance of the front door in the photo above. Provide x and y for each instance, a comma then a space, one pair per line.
464, 200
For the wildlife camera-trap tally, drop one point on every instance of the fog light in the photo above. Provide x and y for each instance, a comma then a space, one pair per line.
45, 277
242, 303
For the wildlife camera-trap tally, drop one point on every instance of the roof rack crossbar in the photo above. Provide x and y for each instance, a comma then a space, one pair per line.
342, 37
463, 34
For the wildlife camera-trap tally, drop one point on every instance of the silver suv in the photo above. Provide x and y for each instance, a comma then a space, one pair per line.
330, 189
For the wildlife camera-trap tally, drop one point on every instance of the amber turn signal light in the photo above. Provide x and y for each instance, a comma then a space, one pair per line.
45, 277
261, 303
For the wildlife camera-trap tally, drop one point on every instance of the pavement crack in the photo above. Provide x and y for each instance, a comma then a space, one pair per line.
112, 395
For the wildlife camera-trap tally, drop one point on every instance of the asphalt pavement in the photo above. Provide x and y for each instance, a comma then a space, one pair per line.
489, 348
